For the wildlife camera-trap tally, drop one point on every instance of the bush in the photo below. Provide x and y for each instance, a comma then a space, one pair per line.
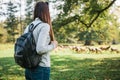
3, 35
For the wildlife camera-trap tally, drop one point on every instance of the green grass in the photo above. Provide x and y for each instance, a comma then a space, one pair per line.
66, 65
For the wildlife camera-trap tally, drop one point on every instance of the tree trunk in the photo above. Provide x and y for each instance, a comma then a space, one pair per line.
87, 42
100, 42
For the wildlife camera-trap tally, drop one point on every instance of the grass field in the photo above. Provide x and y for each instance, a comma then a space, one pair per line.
66, 65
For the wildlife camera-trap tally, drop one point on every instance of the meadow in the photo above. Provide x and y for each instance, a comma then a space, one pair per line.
66, 65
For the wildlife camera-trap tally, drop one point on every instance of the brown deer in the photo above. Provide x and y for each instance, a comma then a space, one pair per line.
115, 50
98, 50
91, 49
105, 48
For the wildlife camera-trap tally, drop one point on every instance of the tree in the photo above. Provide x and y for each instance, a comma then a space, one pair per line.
1, 8
11, 21
83, 13
29, 11
3, 33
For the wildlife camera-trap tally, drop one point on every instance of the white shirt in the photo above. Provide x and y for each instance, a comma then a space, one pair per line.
42, 39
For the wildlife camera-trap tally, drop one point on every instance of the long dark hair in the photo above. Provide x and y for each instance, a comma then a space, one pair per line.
41, 11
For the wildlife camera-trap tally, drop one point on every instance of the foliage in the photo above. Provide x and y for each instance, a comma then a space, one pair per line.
11, 21
3, 33
89, 18
29, 11
76, 21
103, 30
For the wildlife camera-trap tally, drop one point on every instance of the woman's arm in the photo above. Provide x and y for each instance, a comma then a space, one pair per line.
41, 46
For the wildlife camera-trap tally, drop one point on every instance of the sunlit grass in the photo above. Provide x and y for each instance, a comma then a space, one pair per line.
66, 65
6, 46
73, 66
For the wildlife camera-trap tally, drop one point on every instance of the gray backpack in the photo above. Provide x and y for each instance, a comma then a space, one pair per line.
25, 53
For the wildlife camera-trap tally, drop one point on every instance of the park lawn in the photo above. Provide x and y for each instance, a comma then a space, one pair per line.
66, 65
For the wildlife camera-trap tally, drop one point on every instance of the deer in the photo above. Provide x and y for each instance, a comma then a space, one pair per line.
115, 50
105, 48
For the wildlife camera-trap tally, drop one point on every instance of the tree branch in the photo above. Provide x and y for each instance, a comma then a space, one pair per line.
63, 21
107, 6
99, 12
77, 17
93, 20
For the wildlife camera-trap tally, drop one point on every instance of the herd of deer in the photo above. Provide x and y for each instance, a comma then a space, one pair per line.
91, 49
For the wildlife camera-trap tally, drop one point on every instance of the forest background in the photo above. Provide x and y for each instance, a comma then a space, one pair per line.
87, 22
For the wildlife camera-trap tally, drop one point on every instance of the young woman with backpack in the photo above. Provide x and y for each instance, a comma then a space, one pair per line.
45, 42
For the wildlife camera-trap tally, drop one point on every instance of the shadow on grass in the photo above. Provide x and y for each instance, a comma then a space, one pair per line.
65, 68
9, 70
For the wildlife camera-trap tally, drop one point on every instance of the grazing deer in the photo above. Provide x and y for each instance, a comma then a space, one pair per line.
78, 49
98, 50
92, 49
115, 50
105, 48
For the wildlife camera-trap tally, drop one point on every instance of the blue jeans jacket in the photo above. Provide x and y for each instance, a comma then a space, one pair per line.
40, 73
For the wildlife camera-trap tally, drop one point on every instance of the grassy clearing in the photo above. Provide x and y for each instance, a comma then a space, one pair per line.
66, 65
70, 66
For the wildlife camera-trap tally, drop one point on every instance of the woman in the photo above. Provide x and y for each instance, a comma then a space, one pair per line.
45, 42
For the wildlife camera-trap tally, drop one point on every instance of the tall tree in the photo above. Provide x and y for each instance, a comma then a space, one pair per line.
29, 11
82, 13
11, 21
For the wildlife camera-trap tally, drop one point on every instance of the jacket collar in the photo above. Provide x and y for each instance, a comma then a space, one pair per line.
37, 19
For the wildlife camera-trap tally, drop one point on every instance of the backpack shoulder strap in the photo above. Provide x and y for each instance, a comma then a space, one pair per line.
32, 27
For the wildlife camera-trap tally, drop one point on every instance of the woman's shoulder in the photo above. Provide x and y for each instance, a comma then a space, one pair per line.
37, 20
45, 26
